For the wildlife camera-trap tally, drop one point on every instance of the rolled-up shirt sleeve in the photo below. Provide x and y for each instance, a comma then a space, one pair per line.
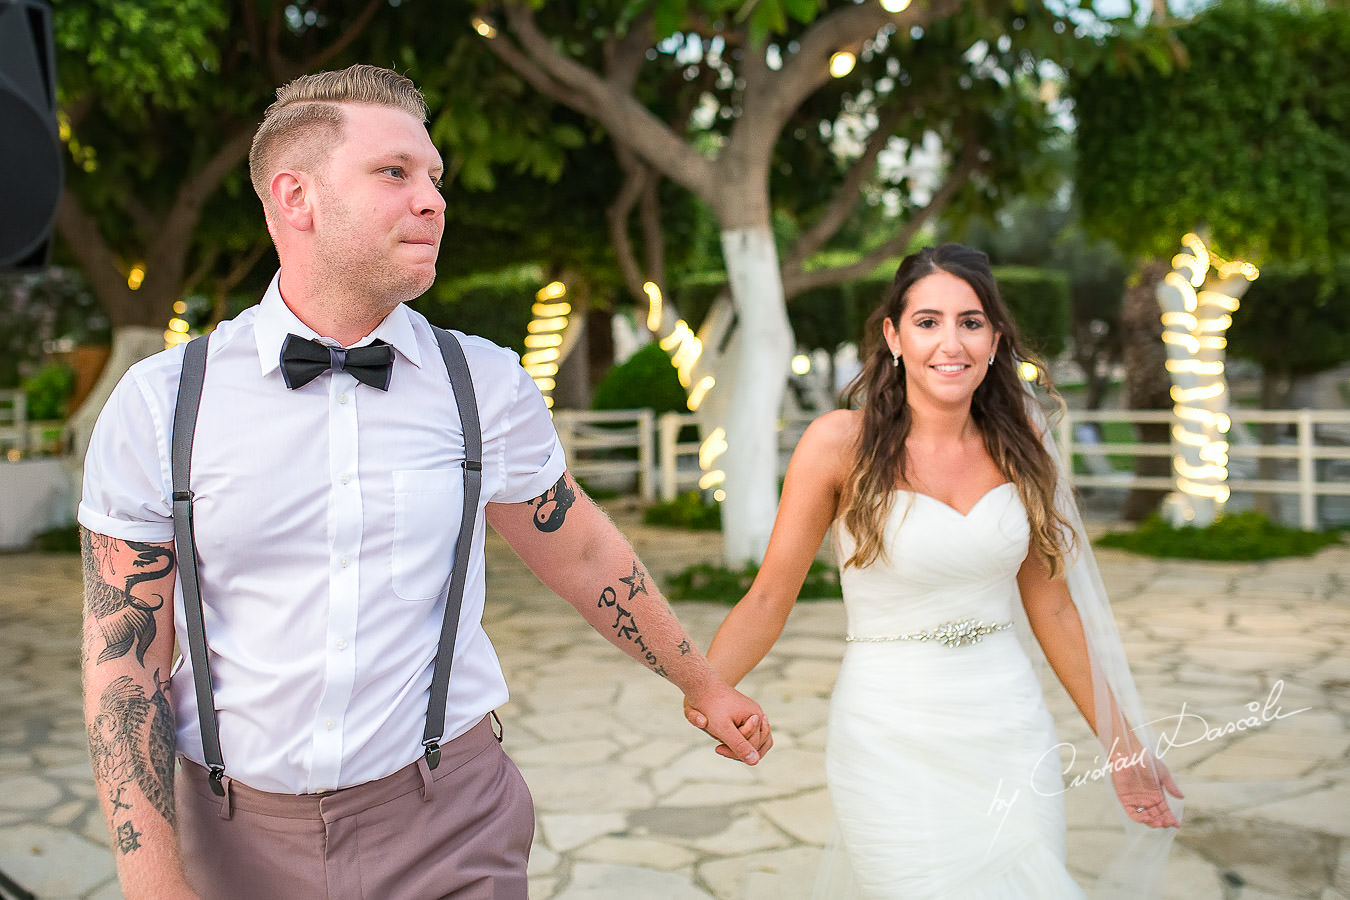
126, 471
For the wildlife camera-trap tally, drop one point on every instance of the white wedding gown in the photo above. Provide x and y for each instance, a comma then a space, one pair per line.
941, 760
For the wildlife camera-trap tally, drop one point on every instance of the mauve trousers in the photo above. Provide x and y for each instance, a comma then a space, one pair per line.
461, 831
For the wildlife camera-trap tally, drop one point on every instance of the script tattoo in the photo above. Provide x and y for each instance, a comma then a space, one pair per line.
125, 620
131, 744
624, 624
550, 507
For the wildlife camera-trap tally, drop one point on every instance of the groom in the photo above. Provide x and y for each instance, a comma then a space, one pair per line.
327, 472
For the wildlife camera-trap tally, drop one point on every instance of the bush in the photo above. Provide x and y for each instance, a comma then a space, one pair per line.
1238, 537
646, 380
686, 511
48, 390
1039, 300
708, 582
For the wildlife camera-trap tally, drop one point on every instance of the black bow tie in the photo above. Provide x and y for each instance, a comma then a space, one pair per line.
303, 360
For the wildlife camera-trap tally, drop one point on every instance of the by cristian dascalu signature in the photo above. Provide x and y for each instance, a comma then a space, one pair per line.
1184, 729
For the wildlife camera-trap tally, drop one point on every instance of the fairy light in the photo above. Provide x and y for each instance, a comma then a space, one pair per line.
841, 63
654, 306
801, 364
1199, 297
483, 27
544, 335
700, 391
895, 6
136, 277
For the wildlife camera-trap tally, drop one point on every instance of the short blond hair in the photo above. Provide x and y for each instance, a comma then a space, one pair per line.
306, 118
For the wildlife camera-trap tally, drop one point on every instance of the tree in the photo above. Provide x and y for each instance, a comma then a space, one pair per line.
158, 104
964, 74
1260, 162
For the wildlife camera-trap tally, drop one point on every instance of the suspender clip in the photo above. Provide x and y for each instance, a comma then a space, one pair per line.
433, 753
182, 495
217, 787
474, 465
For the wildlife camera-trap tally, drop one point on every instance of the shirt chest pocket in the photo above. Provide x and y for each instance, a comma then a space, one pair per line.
428, 504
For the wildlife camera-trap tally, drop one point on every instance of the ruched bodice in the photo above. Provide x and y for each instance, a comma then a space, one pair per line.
939, 566
941, 755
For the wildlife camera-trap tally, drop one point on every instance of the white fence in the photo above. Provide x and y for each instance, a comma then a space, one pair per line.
632, 449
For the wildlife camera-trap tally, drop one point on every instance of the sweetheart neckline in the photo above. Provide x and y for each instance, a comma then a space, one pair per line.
964, 515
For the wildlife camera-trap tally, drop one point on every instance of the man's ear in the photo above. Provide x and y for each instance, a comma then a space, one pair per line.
292, 194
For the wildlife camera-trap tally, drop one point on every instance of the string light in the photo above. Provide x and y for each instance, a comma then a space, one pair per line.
1195, 337
544, 338
895, 6
700, 391
654, 304
136, 277
841, 63
483, 27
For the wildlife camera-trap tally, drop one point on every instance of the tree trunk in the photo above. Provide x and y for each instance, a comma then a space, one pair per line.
757, 363
1147, 385
130, 344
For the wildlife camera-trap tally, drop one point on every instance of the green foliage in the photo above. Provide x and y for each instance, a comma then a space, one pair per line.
1250, 138
47, 391
38, 308
492, 305
1039, 302
137, 53
1294, 320
723, 585
1239, 537
647, 379
62, 539
688, 510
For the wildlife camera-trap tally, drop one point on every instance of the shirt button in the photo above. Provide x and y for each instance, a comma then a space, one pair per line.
328, 723
343, 562
342, 398
342, 645
345, 478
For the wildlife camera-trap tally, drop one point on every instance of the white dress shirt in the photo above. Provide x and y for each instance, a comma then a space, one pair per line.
326, 520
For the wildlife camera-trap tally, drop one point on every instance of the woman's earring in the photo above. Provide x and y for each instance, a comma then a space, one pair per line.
992, 354
895, 359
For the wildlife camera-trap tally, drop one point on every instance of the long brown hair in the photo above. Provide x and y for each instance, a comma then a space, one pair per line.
998, 408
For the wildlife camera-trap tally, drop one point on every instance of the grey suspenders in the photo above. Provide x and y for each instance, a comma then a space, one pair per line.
184, 426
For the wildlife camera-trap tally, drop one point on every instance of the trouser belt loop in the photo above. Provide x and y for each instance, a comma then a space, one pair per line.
226, 806
425, 771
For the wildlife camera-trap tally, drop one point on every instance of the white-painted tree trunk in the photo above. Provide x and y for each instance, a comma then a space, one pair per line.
130, 344
755, 367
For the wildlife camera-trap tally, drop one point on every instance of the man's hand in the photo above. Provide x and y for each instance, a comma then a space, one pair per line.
734, 720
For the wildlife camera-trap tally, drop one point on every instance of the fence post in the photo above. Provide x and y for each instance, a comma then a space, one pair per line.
1065, 428
668, 433
563, 424
1307, 472
646, 465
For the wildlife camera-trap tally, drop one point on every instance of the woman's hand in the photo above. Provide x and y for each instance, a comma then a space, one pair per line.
1143, 788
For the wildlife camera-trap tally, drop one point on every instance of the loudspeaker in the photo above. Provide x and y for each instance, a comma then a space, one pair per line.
30, 145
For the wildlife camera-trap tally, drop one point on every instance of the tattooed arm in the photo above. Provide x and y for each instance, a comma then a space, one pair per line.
577, 552
127, 652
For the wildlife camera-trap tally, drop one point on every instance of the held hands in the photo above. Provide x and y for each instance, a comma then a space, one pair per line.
734, 720
1143, 789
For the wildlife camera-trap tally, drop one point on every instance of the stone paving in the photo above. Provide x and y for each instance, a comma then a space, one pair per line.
633, 803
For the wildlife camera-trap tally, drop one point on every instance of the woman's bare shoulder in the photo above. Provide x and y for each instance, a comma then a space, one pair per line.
829, 441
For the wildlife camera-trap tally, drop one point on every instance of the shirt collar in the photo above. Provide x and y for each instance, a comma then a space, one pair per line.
275, 320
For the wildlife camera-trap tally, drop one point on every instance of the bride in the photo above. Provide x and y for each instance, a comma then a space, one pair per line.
954, 526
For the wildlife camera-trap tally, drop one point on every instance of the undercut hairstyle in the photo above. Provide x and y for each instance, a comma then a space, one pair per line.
999, 408
306, 119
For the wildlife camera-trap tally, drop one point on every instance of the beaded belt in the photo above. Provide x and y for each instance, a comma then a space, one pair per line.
952, 634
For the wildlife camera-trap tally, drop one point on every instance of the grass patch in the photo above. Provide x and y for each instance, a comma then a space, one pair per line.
686, 511
723, 585
1239, 537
